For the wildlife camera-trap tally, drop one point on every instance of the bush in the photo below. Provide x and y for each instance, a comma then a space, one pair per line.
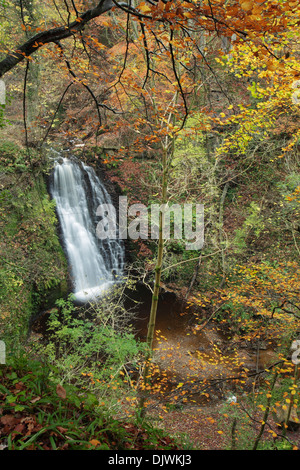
85, 349
12, 157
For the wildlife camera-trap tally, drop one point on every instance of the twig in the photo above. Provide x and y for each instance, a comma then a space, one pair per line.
233, 434
190, 259
266, 413
208, 320
56, 111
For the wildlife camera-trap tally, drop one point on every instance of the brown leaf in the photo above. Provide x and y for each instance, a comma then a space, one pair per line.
61, 391
19, 429
61, 429
8, 419
19, 386
31, 424
8, 422
34, 400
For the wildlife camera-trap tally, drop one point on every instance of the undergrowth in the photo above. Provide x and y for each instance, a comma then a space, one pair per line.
37, 414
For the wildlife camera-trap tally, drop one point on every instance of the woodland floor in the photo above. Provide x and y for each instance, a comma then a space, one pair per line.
205, 422
197, 428
209, 428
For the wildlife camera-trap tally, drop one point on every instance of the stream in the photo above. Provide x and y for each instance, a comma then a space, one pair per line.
201, 359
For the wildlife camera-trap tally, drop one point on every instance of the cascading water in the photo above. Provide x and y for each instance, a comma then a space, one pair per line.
95, 264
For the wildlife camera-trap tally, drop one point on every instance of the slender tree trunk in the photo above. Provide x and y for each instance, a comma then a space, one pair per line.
159, 260
158, 266
233, 434
221, 238
291, 403
196, 271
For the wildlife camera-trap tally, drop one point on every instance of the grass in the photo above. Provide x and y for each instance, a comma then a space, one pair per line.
36, 414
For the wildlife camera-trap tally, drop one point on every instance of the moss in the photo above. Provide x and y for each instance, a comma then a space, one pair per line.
33, 268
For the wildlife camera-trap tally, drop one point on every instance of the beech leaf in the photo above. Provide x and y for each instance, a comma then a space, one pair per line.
61, 391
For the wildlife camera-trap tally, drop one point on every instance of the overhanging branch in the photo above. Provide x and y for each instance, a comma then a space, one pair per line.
52, 35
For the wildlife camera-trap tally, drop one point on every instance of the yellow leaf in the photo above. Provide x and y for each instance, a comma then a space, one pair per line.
144, 8
271, 66
247, 5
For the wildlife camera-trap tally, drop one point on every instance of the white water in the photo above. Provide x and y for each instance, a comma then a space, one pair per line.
95, 265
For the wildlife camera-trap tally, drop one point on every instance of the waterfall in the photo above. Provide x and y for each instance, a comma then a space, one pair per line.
95, 265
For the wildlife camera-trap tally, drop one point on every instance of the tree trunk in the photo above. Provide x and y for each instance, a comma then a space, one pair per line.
158, 266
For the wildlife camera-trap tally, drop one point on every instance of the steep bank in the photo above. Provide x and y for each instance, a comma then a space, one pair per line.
33, 266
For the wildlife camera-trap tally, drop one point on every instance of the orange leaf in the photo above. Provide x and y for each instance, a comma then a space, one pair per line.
144, 8
160, 5
94, 442
247, 5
